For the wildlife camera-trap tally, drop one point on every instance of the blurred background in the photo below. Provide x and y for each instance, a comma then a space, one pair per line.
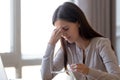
26, 25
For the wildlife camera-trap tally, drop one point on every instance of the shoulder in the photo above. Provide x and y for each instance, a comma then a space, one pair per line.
101, 41
104, 45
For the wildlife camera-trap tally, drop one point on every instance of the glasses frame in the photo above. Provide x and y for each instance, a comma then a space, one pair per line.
69, 71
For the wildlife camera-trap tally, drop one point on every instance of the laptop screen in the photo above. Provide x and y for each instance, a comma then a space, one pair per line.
3, 75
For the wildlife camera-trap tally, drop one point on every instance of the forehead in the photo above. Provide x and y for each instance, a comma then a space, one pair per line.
60, 22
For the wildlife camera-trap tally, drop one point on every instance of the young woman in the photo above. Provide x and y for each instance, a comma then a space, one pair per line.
89, 54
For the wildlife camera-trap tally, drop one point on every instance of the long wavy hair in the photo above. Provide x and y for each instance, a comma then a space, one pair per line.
71, 12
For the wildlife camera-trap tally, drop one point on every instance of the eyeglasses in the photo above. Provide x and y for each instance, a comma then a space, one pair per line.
69, 71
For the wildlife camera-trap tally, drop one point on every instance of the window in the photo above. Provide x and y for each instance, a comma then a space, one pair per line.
32, 70
36, 26
10, 72
25, 28
5, 33
118, 27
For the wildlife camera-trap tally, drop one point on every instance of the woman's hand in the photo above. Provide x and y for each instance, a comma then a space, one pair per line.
82, 68
56, 35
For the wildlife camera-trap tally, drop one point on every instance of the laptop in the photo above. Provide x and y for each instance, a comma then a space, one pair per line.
3, 75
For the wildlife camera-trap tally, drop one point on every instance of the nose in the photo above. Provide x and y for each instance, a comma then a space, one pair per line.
64, 34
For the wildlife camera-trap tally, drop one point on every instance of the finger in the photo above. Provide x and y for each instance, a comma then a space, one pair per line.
58, 32
72, 65
76, 65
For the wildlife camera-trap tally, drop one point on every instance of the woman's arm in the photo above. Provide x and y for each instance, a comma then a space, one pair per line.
110, 61
56, 63
47, 60
45, 65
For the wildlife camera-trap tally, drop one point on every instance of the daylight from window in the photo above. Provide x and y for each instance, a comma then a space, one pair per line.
36, 26
118, 28
35, 31
5, 26
118, 12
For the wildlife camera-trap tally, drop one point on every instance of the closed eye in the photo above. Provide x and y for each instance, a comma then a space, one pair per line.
65, 28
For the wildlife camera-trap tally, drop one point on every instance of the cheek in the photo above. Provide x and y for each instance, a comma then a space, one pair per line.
75, 31
75, 34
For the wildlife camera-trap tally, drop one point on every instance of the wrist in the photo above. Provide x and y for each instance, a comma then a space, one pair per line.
51, 42
86, 71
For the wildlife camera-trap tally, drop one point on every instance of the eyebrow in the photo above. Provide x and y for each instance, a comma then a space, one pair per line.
64, 26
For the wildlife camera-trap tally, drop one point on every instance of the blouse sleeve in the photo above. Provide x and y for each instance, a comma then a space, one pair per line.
56, 64
110, 61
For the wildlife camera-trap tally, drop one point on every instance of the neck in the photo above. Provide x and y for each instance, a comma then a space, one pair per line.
82, 43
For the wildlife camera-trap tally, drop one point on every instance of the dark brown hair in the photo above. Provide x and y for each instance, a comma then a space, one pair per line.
70, 12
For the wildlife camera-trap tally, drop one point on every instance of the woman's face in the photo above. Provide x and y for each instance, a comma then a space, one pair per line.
70, 30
